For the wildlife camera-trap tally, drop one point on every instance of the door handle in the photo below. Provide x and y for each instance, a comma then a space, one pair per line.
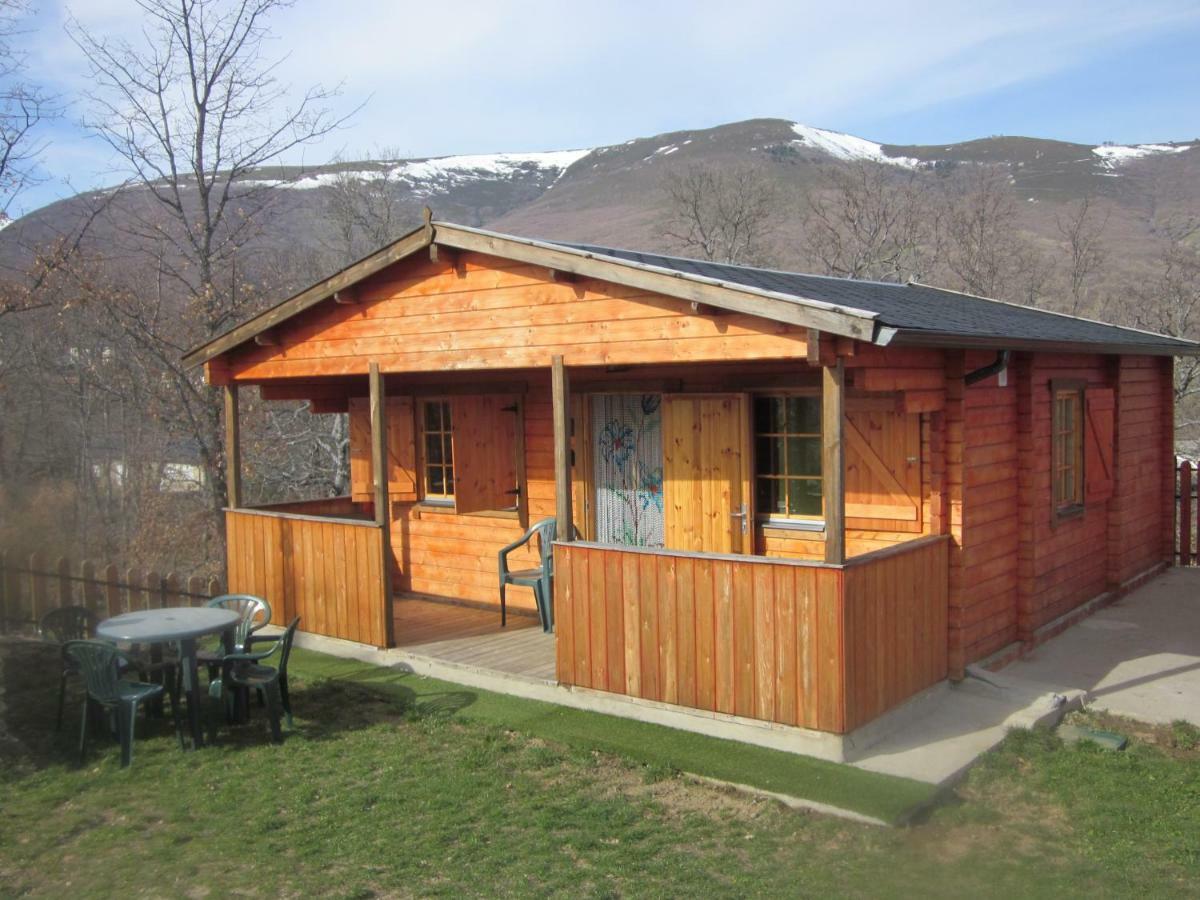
744, 514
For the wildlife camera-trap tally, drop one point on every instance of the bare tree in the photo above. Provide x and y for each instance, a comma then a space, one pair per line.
23, 106
366, 207
1081, 230
721, 214
191, 111
874, 222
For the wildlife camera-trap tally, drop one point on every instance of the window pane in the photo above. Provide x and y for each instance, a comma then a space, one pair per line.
433, 448
446, 416
770, 497
804, 496
762, 414
804, 415
449, 479
769, 455
433, 417
804, 456
437, 484
447, 449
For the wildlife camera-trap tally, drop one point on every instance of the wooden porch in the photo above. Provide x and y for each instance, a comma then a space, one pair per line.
470, 636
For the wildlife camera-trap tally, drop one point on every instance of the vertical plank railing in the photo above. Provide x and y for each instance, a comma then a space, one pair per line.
1185, 513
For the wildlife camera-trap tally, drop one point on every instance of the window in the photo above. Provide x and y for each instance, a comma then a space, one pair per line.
1067, 448
438, 451
787, 456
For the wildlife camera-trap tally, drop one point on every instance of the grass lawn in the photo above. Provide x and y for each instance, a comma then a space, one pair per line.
392, 785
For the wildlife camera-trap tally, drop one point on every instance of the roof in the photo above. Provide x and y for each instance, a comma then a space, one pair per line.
918, 310
879, 312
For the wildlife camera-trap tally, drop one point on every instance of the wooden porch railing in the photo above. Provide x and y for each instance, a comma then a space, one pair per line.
1185, 498
821, 646
325, 570
32, 586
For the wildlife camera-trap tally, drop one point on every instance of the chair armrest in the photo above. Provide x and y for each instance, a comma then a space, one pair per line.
253, 639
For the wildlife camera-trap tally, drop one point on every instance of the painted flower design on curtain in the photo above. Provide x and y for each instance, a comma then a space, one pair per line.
629, 472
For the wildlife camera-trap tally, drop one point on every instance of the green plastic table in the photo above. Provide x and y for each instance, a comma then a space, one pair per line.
181, 625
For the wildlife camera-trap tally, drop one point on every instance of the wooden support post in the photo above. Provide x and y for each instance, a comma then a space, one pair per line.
833, 462
383, 516
561, 394
233, 452
1185, 513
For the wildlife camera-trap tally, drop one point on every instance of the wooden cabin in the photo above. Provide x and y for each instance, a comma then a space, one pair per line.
795, 498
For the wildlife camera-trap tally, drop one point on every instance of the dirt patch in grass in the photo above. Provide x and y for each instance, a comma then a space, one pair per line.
1179, 740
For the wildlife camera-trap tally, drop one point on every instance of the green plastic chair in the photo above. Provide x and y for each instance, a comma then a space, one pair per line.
250, 608
540, 579
98, 663
244, 671
67, 623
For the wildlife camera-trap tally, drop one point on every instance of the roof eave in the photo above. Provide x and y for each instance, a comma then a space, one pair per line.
948, 340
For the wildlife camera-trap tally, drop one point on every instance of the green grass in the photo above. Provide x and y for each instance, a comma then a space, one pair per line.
664, 749
392, 785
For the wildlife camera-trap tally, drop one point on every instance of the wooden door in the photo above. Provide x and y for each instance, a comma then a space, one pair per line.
706, 473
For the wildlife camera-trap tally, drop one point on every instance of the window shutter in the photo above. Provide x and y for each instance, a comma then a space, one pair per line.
360, 450
883, 467
402, 464
485, 458
402, 449
1098, 445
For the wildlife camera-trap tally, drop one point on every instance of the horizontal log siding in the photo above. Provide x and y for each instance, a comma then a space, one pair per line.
895, 631
326, 572
751, 637
1141, 532
421, 316
986, 619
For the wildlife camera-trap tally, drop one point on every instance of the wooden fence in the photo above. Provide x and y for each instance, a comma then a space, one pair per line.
790, 641
32, 586
1186, 493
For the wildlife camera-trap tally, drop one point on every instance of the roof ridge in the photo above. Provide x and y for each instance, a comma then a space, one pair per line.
726, 265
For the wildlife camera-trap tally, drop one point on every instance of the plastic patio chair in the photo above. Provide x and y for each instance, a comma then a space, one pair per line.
540, 579
98, 663
249, 607
244, 670
67, 623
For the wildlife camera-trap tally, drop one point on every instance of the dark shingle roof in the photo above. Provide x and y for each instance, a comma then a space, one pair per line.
920, 313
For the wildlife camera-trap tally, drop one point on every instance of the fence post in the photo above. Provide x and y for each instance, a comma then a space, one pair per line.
171, 589
4, 592
112, 590
154, 590
196, 589
1185, 513
66, 593
90, 589
37, 586
133, 596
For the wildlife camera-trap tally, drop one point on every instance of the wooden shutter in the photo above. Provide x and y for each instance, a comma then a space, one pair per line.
402, 461
1098, 445
706, 473
485, 452
883, 467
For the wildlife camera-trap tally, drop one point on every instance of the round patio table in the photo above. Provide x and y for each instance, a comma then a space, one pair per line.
182, 625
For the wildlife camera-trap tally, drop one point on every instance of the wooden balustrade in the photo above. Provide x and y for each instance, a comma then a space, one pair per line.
32, 586
325, 570
825, 647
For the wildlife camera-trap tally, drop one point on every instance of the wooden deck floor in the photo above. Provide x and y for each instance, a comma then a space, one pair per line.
473, 637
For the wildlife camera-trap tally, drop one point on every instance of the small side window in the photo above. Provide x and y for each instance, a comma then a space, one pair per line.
438, 450
1067, 448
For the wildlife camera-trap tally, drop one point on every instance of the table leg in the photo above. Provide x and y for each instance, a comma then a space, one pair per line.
191, 687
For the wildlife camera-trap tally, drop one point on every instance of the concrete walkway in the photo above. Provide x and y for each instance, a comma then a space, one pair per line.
1139, 658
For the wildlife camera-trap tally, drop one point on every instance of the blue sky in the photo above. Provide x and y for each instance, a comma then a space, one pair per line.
468, 76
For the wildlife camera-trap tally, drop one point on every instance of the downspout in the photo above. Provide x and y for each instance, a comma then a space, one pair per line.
999, 366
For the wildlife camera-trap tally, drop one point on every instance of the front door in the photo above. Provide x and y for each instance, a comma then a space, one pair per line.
707, 472
627, 454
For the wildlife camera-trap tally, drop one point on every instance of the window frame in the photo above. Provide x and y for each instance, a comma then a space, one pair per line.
769, 517
1063, 504
444, 499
